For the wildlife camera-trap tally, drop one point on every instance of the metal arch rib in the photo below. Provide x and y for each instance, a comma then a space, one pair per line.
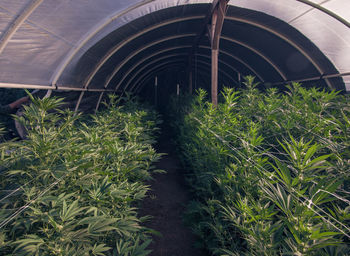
99, 102
174, 48
223, 62
144, 77
146, 66
258, 53
155, 54
220, 71
63, 64
155, 61
140, 81
326, 11
202, 62
290, 42
101, 95
111, 52
115, 49
239, 60
142, 61
149, 45
70, 55
165, 57
152, 73
154, 68
17, 22
115, 71
149, 75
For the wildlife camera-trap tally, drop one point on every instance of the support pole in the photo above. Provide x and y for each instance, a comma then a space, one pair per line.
214, 77
214, 32
155, 91
190, 81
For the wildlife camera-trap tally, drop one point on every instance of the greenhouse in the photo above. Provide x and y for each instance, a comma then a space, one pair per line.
188, 127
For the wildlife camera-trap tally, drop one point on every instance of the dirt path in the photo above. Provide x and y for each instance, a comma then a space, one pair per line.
166, 204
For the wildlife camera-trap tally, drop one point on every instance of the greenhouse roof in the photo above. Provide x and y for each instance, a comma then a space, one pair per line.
120, 44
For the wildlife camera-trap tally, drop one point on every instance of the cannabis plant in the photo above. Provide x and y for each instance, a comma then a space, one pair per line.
269, 170
73, 186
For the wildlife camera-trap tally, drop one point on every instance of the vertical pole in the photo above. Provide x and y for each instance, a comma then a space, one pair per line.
78, 102
214, 77
215, 28
190, 80
214, 58
99, 102
177, 90
195, 72
239, 79
155, 90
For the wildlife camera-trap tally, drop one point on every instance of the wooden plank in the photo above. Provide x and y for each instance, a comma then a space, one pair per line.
214, 76
212, 23
201, 33
217, 21
218, 18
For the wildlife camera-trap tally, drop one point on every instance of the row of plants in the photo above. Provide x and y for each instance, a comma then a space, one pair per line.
269, 170
74, 185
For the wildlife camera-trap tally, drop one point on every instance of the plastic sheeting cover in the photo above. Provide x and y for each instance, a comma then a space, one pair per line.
58, 34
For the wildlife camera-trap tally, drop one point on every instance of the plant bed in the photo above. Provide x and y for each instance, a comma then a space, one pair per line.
270, 170
74, 185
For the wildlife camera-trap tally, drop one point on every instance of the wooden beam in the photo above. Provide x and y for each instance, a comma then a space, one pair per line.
214, 76
212, 22
196, 42
217, 21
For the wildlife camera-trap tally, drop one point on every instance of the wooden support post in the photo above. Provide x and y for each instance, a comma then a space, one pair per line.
215, 28
213, 24
214, 76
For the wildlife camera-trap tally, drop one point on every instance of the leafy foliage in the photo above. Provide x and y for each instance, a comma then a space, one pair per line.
270, 171
72, 187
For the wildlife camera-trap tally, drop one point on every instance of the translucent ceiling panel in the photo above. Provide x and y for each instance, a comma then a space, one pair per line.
328, 34
5, 20
285, 10
110, 23
52, 29
114, 22
331, 37
30, 56
339, 7
72, 19
13, 6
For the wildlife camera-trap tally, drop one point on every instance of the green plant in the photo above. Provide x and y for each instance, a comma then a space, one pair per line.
269, 170
73, 186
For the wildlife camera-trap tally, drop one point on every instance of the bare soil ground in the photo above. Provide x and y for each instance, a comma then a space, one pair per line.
166, 203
